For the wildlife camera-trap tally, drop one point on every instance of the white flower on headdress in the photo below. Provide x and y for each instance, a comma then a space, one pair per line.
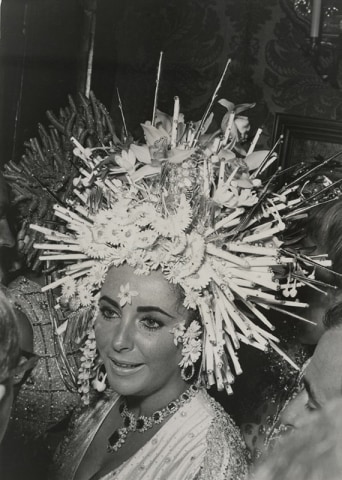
84, 236
155, 258
102, 217
191, 353
98, 250
156, 137
151, 166
247, 198
240, 126
198, 280
226, 195
85, 296
193, 256
177, 245
68, 288
74, 303
139, 261
127, 234
189, 262
86, 368
98, 233
83, 153
146, 238
126, 294
126, 161
97, 273
92, 241
121, 255
192, 344
145, 214
142, 268
121, 212
191, 299
174, 224
134, 256
193, 331
110, 232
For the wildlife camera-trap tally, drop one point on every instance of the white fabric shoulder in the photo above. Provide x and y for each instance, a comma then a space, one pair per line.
226, 456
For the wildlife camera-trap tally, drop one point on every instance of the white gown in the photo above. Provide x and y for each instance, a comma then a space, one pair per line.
199, 441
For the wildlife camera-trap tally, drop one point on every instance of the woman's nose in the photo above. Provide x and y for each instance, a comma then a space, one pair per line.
293, 413
123, 334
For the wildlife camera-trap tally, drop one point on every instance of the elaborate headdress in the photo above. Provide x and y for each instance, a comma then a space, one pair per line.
200, 215
44, 173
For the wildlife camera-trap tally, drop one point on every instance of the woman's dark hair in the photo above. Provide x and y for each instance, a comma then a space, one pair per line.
333, 317
9, 340
324, 227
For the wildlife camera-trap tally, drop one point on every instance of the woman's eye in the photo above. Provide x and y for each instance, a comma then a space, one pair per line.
150, 323
108, 312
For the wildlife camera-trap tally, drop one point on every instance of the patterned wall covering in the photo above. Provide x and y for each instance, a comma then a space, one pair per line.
263, 37
291, 82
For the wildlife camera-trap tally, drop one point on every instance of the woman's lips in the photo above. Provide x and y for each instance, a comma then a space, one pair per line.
124, 368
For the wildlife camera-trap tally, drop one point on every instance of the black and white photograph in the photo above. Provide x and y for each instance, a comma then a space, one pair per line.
170, 240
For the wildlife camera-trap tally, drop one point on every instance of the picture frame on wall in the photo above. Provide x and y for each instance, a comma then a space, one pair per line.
306, 139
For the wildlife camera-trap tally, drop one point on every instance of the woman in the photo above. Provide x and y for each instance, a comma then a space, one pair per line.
172, 257
183, 431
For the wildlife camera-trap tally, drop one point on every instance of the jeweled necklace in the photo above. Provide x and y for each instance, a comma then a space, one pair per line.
142, 423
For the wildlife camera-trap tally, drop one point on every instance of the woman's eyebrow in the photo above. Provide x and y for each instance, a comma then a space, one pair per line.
145, 309
109, 300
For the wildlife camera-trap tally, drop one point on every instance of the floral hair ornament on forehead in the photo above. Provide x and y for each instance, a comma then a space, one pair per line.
126, 295
202, 216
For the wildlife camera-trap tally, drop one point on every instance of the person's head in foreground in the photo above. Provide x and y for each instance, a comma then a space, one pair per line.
323, 235
15, 363
322, 376
9, 357
311, 453
6, 237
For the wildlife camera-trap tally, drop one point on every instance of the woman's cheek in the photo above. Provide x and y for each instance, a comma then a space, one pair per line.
102, 331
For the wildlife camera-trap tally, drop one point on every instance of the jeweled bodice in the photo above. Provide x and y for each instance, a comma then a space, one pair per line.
43, 401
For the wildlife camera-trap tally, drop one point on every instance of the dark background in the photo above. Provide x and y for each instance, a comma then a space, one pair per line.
41, 60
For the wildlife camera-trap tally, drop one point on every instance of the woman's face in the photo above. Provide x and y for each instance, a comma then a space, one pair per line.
134, 337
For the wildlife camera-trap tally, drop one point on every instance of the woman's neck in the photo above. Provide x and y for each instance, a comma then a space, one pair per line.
147, 405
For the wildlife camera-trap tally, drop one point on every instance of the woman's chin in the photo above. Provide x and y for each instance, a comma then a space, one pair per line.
126, 385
